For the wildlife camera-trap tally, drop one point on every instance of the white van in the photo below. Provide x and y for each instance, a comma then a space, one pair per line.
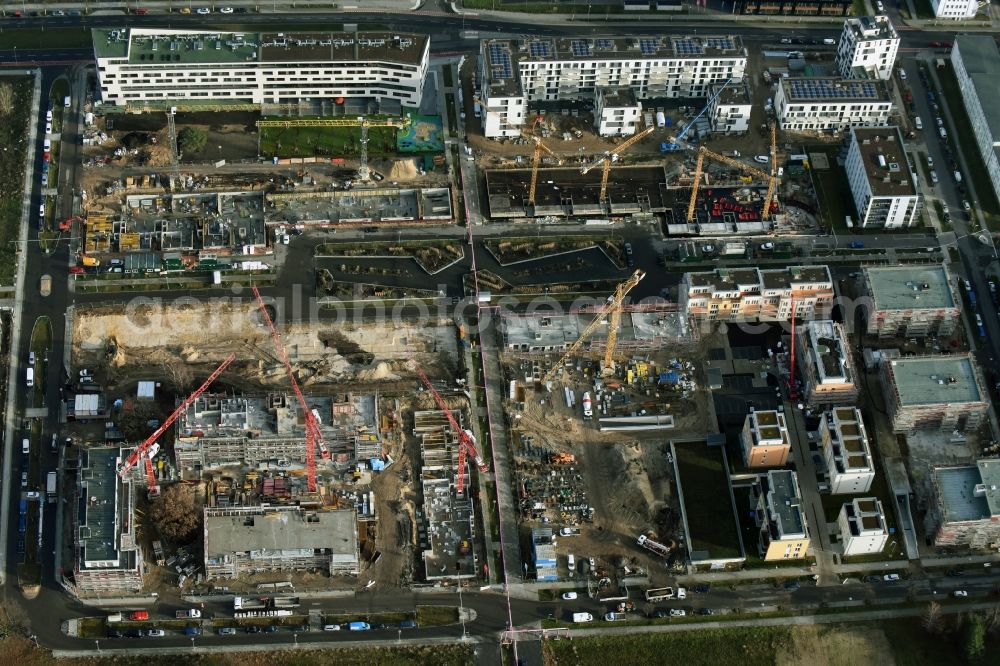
830, 42
66, 101
30, 377
571, 563
583, 617
25, 446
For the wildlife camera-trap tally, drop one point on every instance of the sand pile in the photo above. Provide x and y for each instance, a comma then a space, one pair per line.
403, 170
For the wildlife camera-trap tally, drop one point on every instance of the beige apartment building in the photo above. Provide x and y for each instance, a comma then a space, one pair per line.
765, 439
752, 294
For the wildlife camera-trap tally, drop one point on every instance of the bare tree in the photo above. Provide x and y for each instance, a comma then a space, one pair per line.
932, 618
180, 375
176, 513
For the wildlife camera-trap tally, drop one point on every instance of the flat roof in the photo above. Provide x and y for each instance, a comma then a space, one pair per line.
731, 94
883, 156
981, 60
282, 530
910, 287
618, 96
786, 278
828, 344
969, 492
785, 503
833, 89
871, 27
100, 499
145, 46
932, 380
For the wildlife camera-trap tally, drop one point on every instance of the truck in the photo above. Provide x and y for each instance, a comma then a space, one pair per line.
264, 603
358, 626
569, 531
583, 617
659, 594
654, 546
588, 406
613, 617
50, 486
733, 248
188, 614
90, 262
138, 616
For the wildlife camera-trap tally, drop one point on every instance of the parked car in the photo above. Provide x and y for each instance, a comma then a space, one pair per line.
918, 123
331, 627
703, 589
203, 10
226, 10
792, 585
934, 177
155, 633
270, 629
761, 159
253, 629
891, 578
227, 631
408, 624
857, 245
966, 206
677, 612
569, 596
706, 611
133, 633
959, 594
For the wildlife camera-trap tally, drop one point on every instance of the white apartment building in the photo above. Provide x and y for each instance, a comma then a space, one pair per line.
884, 189
867, 48
515, 72
729, 112
976, 60
752, 294
828, 104
826, 364
847, 452
956, 9
863, 529
143, 65
616, 112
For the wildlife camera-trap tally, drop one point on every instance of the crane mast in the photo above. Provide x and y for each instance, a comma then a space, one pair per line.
610, 157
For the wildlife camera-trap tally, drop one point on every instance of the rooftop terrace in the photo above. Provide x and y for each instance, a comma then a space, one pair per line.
971, 492
884, 158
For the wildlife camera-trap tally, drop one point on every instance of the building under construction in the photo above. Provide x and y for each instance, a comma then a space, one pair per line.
255, 539
719, 211
448, 528
566, 192
360, 205
640, 331
269, 431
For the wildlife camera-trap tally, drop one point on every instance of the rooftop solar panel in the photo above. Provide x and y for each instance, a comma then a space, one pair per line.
604, 44
649, 46
580, 47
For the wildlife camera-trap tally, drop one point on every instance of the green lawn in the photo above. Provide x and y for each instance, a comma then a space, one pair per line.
41, 340
436, 615
541, 7
833, 191
326, 141
446, 72
923, 8
35, 38
705, 484
15, 107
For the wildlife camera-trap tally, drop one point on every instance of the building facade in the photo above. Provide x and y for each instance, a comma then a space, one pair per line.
847, 451
957, 10
884, 189
513, 73
976, 60
827, 366
784, 534
793, 7
242, 540
729, 111
139, 66
826, 104
966, 510
617, 112
910, 301
108, 559
867, 48
863, 528
765, 439
752, 294
933, 393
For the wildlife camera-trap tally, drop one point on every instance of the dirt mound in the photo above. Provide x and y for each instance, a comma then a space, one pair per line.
380, 372
625, 462
403, 170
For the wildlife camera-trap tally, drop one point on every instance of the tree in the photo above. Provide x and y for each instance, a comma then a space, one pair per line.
192, 140
176, 513
932, 618
974, 639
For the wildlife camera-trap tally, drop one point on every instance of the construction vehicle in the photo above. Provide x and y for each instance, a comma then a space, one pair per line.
189, 614
313, 436
612, 157
466, 442
659, 594
364, 172
675, 143
613, 308
91, 262
67, 224
654, 546
146, 449
562, 458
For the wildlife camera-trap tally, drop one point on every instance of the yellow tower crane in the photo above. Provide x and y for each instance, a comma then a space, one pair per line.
613, 307
612, 156
535, 160
772, 183
704, 152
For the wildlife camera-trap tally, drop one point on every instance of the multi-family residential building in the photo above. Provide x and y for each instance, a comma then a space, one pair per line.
108, 559
828, 104
729, 111
847, 452
909, 301
863, 528
752, 294
933, 392
793, 7
243, 540
884, 189
967, 507
513, 73
957, 9
269, 431
784, 533
765, 439
826, 363
867, 48
616, 112
976, 60
137, 66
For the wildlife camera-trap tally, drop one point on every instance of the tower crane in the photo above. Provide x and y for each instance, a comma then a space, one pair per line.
143, 450
314, 437
675, 143
704, 152
772, 183
466, 442
612, 307
535, 160
612, 156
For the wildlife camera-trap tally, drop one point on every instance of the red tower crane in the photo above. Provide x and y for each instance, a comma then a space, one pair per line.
141, 450
314, 437
793, 391
466, 442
